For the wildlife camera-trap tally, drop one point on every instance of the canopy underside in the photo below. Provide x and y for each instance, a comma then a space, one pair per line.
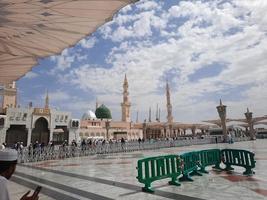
32, 29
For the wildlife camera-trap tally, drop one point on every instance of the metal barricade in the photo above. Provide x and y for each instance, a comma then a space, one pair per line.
62, 152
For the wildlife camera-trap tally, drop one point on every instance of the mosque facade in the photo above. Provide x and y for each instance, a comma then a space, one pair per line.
44, 124
99, 124
32, 124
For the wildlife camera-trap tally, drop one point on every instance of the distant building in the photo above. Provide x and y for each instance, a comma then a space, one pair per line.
32, 124
106, 129
100, 124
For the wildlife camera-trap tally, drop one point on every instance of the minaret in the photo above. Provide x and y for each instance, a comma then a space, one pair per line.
149, 115
169, 106
47, 100
157, 113
96, 104
9, 96
137, 117
125, 105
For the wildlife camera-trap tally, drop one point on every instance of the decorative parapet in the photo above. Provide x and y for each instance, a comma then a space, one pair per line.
41, 111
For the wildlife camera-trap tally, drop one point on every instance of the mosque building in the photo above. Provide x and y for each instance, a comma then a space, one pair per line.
44, 124
99, 124
31, 124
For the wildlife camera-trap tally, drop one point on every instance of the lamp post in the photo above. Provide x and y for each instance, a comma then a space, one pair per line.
107, 123
222, 114
249, 118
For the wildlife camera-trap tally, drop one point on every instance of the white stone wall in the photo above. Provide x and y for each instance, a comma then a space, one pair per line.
92, 132
25, 116
2, 135
59, 118
132, 134
18, 116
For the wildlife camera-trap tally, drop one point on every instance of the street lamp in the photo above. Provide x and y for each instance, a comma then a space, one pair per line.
221, 109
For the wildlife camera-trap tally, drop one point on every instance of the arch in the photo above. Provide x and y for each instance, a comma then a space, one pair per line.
41, 132
43, 117
16, 133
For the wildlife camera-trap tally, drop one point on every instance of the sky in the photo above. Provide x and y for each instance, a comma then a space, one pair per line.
207, 50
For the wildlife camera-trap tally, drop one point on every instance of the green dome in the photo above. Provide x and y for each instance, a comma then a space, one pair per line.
103, 112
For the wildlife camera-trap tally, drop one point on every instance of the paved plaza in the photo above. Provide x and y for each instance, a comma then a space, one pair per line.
113, 177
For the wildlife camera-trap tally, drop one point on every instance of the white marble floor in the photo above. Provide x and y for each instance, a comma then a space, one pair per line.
113, 177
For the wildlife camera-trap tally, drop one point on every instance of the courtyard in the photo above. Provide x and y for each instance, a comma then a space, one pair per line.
113, 176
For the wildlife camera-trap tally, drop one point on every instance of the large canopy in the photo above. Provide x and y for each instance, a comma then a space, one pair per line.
32, 29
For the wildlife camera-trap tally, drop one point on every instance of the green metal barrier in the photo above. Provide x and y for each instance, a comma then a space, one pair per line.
209, 157
190, 162
157, 168
240, 158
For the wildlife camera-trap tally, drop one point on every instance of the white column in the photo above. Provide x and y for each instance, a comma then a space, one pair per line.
51, 134
29, 136
3, 135
73, 135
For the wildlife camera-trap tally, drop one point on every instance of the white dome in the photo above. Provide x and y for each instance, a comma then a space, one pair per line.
89, 115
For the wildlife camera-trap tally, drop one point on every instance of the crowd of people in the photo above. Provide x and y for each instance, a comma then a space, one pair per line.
84, 144
40, 151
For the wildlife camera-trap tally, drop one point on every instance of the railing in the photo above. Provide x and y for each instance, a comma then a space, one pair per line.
60, 152
240, 158
209, 157
191, 163
156, 168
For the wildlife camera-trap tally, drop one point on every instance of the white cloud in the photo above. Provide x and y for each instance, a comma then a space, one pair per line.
105, 30
58, 96
121, 33
228, 33
148, 5
143, 19
142, 27
78, 104
88, 43
31, 75
63, 61
126, 9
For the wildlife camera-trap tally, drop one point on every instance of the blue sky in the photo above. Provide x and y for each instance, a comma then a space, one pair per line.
207, 50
